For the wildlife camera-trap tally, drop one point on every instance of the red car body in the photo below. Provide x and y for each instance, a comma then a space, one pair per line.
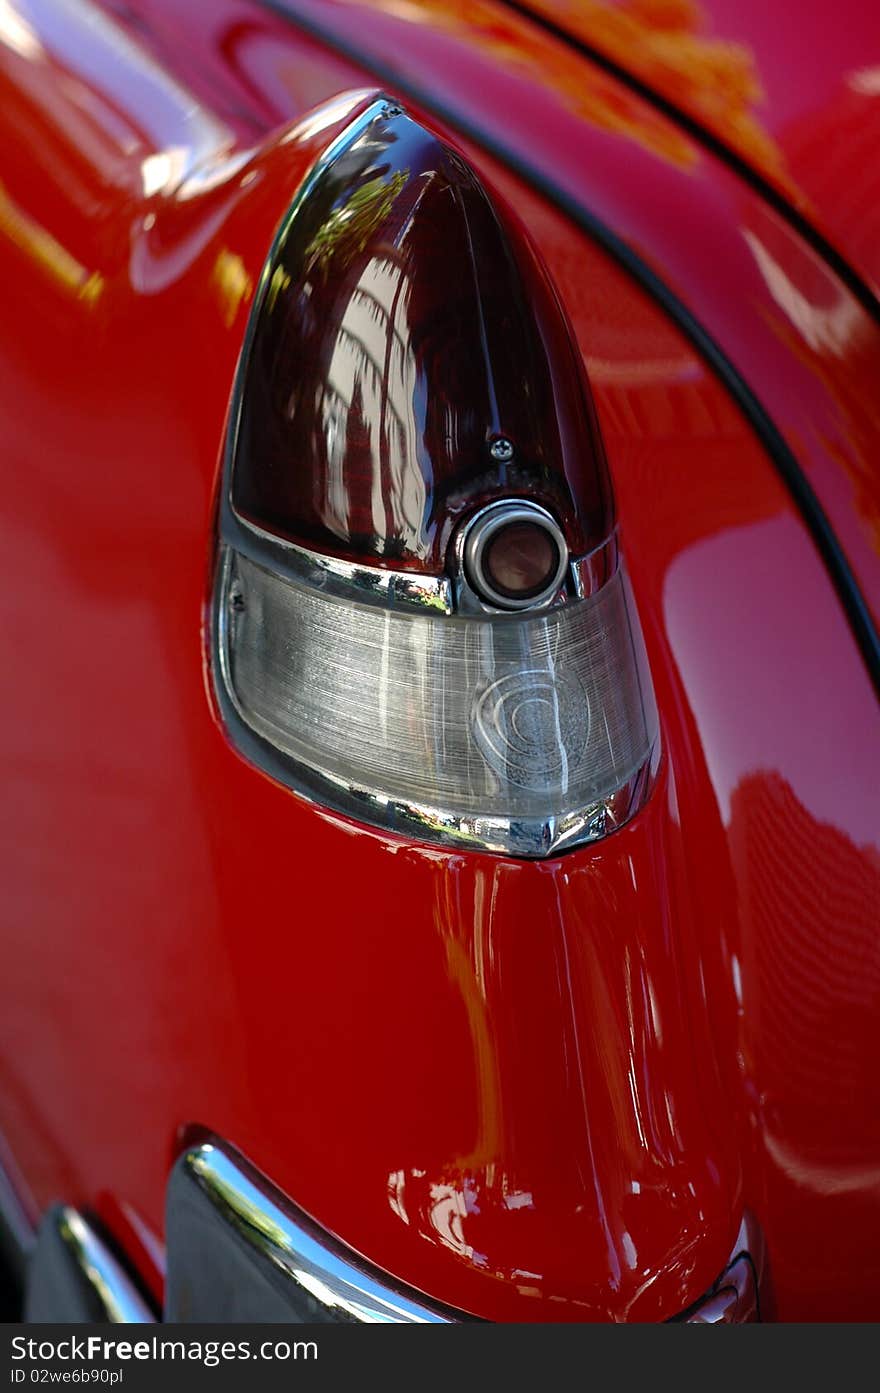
530, 1090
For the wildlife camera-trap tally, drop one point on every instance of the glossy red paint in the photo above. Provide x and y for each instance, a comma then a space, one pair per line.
531, 1090
797, 100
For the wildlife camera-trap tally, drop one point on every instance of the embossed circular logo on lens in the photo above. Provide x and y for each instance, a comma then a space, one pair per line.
532, 726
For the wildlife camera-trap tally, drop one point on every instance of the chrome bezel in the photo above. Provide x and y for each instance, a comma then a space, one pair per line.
224, 1217
346, 580
73, 1276
589, 573
479, 531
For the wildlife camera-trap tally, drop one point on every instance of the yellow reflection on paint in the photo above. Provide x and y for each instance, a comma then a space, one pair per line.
664, 44
232, 284
48, 253
661, 42
595, 98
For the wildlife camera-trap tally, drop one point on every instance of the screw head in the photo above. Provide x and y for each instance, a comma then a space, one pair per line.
501, 449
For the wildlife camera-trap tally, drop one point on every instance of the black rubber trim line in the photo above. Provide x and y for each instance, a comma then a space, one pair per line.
834, 558
718, 146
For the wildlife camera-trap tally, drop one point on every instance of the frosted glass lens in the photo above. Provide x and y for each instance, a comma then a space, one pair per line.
530, 718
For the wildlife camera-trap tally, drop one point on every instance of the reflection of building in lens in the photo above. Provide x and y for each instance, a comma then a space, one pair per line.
369, 428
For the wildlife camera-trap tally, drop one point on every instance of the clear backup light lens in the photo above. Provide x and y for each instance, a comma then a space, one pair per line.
524, 735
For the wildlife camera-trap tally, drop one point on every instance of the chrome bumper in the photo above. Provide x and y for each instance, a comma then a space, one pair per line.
240, 1251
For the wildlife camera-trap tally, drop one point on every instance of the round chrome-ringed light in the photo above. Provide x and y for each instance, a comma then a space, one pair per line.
515, 556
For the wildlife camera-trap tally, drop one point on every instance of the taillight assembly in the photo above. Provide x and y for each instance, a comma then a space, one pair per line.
420, 616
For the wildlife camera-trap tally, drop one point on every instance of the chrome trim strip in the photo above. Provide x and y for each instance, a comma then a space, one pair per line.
73, 1276
589, 573
579, 577
348, 580
240, 1250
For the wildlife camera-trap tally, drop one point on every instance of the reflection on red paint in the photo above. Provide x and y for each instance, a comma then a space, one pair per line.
801, 109
669, 45
811, 969
531, 1091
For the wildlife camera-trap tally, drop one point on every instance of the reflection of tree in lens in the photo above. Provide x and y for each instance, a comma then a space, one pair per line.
347, 229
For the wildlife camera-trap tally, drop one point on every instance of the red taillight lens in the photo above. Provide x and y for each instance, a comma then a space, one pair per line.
408, 361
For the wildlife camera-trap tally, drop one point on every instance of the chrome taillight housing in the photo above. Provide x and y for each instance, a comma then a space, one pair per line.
420, 615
